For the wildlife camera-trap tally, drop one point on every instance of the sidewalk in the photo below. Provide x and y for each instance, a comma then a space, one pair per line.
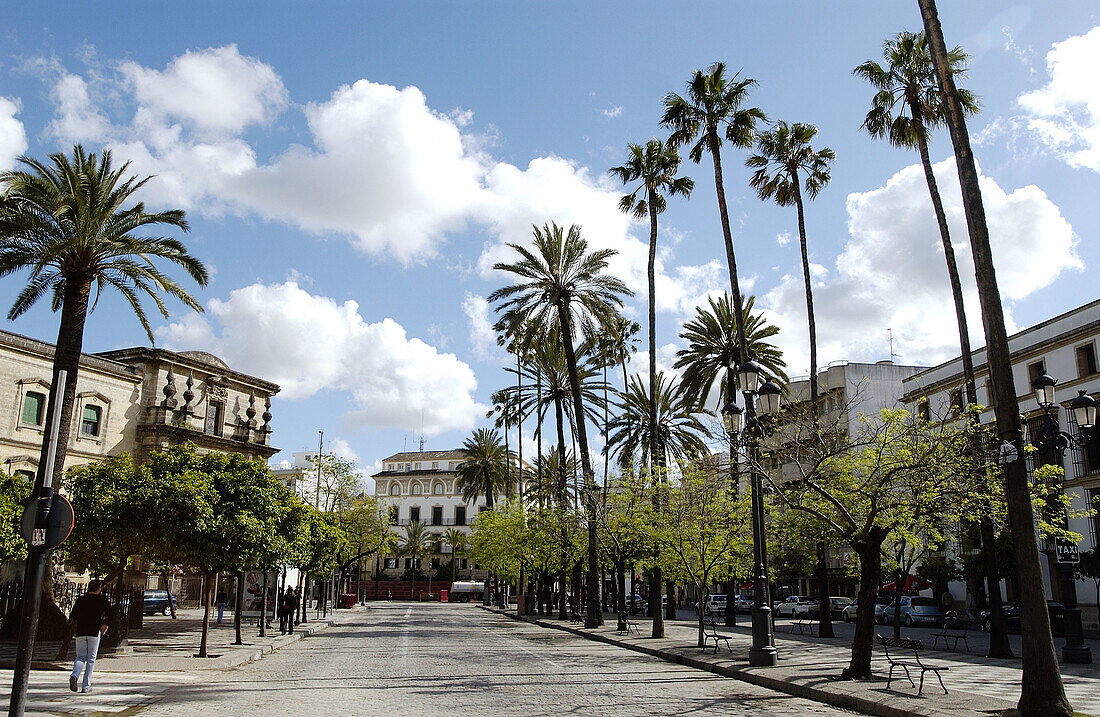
167, 645
162, 658
809, 667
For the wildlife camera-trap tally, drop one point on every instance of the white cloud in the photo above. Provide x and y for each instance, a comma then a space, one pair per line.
341, 449
613, 112
216, 90
482, 336
77, 120
892, 274
783, 238
13, 138
308, 343
1065, 113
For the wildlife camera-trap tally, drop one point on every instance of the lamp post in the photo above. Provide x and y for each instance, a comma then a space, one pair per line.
761, 399
1053, 444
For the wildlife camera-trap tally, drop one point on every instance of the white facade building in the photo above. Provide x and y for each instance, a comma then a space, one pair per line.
1066, 348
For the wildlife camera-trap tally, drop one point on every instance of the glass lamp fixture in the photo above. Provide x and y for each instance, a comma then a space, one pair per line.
1043, 386
768, 397
1084, 410
731, 418
749, 375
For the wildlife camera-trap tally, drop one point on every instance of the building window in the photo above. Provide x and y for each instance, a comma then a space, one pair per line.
435, 465
1093, 504
215, 412
417, 466
460, 515
395, 513
89, 424
415, 489
957, 402
924, 411
482, 508
395, 489
437, 515
391, 563
414, 514
1086, 360
1035, 370
29, 475
462, 563
34, 404
437, 489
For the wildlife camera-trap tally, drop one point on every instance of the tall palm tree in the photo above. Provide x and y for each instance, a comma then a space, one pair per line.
711, 337
484, 467
1042, 692
558, 279
784, 161
504, 412
67, 223
654, 167
456, 539
416, 542
680, 436
713, 108
906, 105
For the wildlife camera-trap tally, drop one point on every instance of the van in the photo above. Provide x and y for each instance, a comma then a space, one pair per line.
715, 605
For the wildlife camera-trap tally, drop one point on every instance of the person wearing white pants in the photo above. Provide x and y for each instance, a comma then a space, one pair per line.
92, 615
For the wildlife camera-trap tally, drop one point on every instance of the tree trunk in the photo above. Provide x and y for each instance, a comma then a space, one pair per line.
899, 592
263, 607
168, 590
824, 607
303, 599
654, 461
562, 608
699, 612
811, 320
870, 573
1042, 692
727, 236
237, 611
210, 582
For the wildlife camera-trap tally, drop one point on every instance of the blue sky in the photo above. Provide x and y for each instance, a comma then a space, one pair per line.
351, 171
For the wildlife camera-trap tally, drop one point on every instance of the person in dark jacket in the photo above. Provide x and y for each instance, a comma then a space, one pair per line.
288, 604
92, 615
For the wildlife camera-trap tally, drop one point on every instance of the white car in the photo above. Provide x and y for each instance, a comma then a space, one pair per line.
794, 606
715, 605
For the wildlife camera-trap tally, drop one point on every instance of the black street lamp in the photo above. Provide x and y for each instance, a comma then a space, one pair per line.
763, 398
1053, 444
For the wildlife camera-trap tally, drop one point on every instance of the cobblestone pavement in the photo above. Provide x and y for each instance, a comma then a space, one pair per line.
429, 659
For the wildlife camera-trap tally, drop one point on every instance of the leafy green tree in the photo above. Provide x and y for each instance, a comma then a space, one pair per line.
784, 161
67, 223
624, 524
14, 489
702, 530
1089, 567
114, 509
560, 282
679, 435
484, 467
712, 110
888, 478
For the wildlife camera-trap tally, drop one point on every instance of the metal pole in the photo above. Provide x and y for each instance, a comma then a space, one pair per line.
763, 652
320, 449
36, 561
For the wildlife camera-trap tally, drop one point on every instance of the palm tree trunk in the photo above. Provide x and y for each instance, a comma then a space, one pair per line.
519, 439
1042, 691
655, 576
998, 636
592, 618
606, 421
809, 293
562, 614
731, 259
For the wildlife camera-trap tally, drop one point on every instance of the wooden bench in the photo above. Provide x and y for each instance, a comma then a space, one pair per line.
902, 646
803, 623
627, 626
953, 630
710, 632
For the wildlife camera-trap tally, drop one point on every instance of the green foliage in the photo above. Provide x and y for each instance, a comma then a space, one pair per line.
115, 513
680, 435
939, 570
14, 489
484, 467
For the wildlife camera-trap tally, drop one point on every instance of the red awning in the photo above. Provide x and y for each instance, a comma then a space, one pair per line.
746, 586
912, 582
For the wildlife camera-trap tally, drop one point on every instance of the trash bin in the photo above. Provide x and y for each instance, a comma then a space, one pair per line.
347, 600
444, 595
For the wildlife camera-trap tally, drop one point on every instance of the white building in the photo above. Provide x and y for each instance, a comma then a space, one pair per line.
1065, 347
422, 487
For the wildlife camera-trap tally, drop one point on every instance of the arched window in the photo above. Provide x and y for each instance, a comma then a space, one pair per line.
395, 489
437, 489
416, 489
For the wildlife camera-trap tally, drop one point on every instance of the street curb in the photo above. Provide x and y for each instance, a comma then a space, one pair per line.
138, 663
835, 699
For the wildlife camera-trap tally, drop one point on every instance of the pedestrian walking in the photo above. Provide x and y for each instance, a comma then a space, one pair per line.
91, 615
288, 604
221, 599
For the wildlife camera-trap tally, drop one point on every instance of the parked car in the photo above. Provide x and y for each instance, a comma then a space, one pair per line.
715, 605
848, 614
914, 610
794, 606
157, 601
837, 605
636, 604
1012, 617
743, 604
